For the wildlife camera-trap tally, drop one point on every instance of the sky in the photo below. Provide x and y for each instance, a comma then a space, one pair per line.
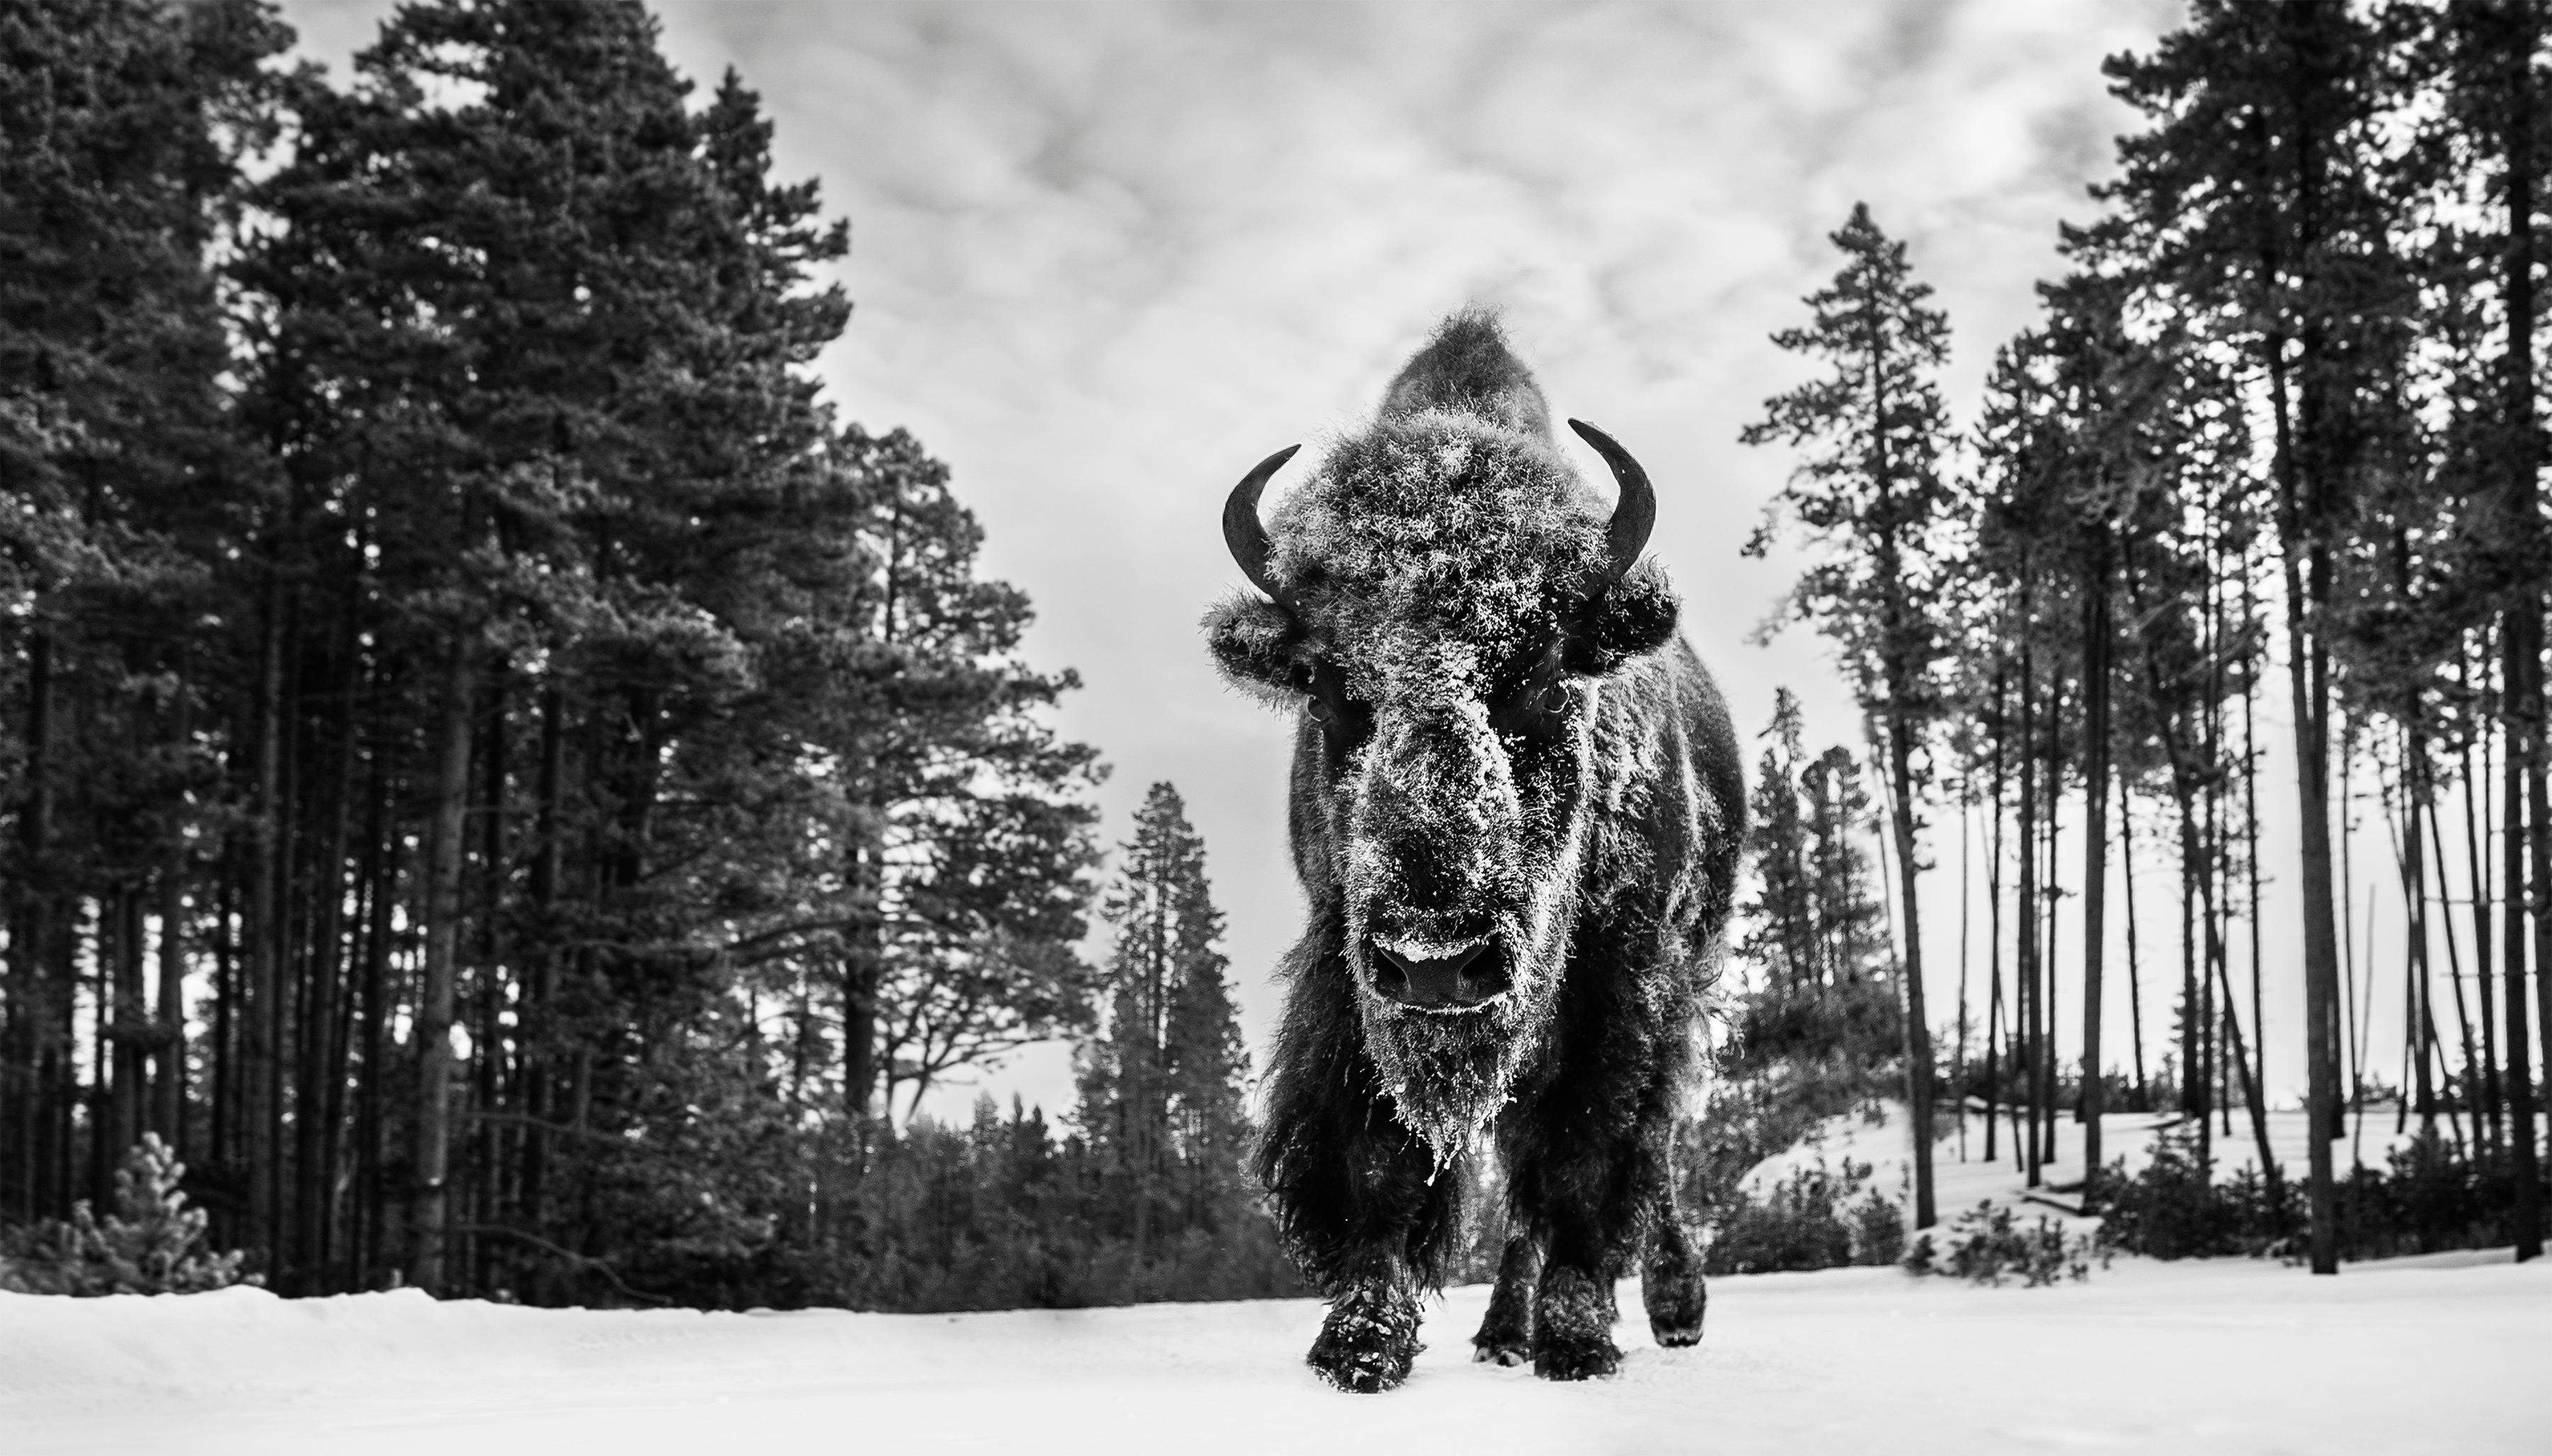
1106, 256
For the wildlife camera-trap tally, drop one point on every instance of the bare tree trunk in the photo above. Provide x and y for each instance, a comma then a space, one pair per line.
372, 1195
2135, 973
1918, 1029
863, 972
2423, 1009
1959, 1048
168, 1076
433, 1009
29, 933
260, 1004
548, 868
2096, 858
2307, 571
1994, 1020
2524, 726
2478, 875
2455, 972
2049, 1098
168, 1079
2251, 835
314, 1149
2027, 1061
2522, 629
223, 1124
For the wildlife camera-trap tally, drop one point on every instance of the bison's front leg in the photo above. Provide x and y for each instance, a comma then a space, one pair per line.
1573, 1303
1670, 1283
1506, 1335
1574, 1316
1354, 1192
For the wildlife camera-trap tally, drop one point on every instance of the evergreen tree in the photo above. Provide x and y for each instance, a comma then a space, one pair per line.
1779, 922
2254, 200
1162, 1088
1870, 490
124, 130
966, 830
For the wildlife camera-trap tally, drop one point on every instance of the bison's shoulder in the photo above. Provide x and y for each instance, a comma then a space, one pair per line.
1669, 813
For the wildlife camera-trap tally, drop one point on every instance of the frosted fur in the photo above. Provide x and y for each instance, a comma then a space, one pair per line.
1433, 549
1467, 365
1449, 1075
1502, 752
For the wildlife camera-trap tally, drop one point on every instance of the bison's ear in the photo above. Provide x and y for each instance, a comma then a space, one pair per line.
1632, 618
1259, 647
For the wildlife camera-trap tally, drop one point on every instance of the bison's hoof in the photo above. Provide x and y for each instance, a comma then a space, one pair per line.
1676, 1336
1573, 1326
1507, 1352
1368, 1342
1555, 1361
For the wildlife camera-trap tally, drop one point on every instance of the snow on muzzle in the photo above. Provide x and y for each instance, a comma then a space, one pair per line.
1435, 866
1442, 979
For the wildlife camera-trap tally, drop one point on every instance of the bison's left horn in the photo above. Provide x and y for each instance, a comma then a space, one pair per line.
1637, 510
1241, 528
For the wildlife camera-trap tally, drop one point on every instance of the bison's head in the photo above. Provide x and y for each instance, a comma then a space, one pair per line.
1446, 599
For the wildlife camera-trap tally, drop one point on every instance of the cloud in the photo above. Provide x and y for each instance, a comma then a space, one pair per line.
1107, 255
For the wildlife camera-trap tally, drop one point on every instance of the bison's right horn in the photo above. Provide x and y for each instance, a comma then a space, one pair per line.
1241, 530
1637, 510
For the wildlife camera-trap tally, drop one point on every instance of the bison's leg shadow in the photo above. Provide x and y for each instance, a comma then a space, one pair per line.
1670, 1283
1506, 1335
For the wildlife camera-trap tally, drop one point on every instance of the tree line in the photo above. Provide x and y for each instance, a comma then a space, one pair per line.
2275, 433
499, 778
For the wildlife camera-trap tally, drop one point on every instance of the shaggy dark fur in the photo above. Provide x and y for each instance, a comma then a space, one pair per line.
1499, 746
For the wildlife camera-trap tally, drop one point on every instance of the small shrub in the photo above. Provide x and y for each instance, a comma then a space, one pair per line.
1987, 1246
1808, 1220
151, 1244
2170, 1211
1877, 1229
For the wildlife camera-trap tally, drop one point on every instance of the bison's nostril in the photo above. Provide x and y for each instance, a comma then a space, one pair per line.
1389, 979
1456, 979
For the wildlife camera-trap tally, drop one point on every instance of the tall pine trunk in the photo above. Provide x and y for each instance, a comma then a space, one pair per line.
261, 928
2095, 854
2519, 635
2025, 1060
2306, 569
434, 1009
2522, 623
1918, 1030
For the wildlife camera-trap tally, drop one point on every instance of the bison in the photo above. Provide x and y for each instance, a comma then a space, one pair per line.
1517, 809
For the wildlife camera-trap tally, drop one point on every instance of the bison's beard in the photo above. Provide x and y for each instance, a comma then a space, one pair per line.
1448, 1074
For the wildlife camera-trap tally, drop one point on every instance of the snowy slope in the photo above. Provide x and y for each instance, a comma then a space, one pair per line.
1961, 1183
2439, 1355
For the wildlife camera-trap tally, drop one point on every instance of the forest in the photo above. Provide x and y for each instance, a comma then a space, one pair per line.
2272, 448
501, 780
523, 799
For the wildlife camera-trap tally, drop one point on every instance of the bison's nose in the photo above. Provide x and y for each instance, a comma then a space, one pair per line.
1454, 982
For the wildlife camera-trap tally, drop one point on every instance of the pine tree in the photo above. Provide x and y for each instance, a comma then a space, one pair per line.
967, 831
1780, 920
2254, 201
1162, 1088
1870, 491
124, 130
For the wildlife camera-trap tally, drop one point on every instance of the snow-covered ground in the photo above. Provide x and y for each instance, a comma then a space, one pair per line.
2446, 1355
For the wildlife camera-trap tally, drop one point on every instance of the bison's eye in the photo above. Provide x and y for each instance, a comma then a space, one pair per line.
1536, 708
1343, 721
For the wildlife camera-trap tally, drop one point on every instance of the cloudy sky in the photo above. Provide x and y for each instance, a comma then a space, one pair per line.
1108, 255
